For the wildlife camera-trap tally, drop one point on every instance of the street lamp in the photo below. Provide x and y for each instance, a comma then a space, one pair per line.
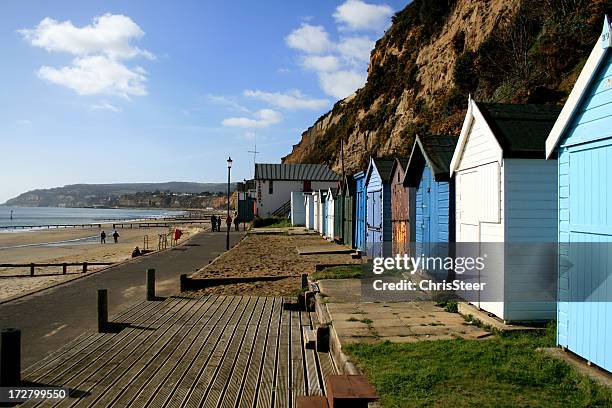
229, 170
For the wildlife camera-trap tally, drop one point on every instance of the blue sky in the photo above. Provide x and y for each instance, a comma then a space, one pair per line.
146, 91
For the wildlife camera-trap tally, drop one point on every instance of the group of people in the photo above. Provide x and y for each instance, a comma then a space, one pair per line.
215, 222
103, 237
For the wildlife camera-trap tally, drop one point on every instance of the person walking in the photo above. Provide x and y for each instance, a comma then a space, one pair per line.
116, 236
218, 223
213, 222
228, 221
237, 223
103, 237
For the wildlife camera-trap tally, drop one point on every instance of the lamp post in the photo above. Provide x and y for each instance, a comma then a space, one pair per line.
229, 170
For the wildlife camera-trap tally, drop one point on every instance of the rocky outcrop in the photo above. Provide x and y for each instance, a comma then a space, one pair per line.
435, 54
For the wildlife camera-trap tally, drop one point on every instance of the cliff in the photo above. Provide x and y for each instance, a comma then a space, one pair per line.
435, 54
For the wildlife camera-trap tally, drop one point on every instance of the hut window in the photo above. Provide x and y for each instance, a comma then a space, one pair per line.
271, 187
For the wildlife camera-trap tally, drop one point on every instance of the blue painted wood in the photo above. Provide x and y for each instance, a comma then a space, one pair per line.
378, 218
584, 310
360, 211
435, 221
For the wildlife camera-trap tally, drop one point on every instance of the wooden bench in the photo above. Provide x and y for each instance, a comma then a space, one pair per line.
349, 391
311, 402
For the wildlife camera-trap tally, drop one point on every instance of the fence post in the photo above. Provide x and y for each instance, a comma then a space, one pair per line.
31, 269
304, 281
102, 310
183, 282
84, 267
64, 268
150, 284
10, 357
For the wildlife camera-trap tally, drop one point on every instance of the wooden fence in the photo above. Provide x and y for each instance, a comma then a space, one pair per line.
32, 266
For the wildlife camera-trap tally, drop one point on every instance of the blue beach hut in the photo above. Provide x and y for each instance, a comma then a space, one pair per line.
378, 207
581, 139
428, 173
360, 211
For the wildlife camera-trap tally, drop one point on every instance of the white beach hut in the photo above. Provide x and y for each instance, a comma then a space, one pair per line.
309, 210
331, 216
298, 209
506, 201
316, 210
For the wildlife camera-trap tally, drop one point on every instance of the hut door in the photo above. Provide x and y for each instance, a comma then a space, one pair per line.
374, 224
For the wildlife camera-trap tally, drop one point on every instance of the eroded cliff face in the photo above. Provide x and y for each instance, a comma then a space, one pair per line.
422, 70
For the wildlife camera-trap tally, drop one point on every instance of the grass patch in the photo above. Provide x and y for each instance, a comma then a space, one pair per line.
504, 370
271, 222
339, 272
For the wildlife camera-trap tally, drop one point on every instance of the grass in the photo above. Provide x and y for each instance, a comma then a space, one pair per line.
502, 371
338, 272
271, 222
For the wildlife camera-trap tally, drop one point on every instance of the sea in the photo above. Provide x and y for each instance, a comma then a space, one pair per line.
39, 216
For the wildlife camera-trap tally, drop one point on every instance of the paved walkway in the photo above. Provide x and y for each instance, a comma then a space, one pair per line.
192, 351
52, 318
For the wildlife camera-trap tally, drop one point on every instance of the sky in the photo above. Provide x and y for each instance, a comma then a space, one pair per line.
153, 91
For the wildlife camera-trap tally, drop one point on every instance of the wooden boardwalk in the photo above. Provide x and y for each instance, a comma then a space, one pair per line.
191, 351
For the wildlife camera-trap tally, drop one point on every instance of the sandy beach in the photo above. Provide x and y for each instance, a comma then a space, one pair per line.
68, 245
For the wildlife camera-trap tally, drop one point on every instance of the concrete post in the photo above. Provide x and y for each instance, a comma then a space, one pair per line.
102, 310
64, 268
150, 284
31, 269
304, 281
84, 267
10, 357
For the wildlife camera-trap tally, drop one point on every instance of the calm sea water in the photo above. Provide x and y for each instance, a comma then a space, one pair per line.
51, 215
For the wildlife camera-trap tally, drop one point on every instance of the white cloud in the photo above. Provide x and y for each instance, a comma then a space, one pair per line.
224, 100
358, 15
109, 34
310, 39
292, 99
261, 119
105, 105
318, 63
100, 48
98, 75
356, 49
341, 84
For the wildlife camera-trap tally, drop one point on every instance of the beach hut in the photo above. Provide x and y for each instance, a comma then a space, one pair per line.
309, 210
331, 213
348, 211
378, 203
506, 194
323, 212
581, 139
316, 210
428, 174
360, 211
298, 209
400, 206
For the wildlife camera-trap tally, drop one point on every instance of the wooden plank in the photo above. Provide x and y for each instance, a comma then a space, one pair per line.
73, 348
234, 391
215, 376
250, 382
190, 386
267, 376
283, 374
147, 363
241, 345
313, 383
65, 374
88, 373
298, 385
147, 386
101, 376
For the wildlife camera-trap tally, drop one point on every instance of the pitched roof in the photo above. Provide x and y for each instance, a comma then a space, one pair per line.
312, 172
435, 150
384, 168
399, 161
579, 91
521, 130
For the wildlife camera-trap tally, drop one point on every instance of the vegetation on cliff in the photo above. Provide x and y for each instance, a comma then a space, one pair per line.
436, 53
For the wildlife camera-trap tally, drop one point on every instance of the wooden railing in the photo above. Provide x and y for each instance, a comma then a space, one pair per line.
32, 266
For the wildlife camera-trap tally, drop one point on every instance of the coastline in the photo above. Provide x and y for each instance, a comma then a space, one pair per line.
68, 245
